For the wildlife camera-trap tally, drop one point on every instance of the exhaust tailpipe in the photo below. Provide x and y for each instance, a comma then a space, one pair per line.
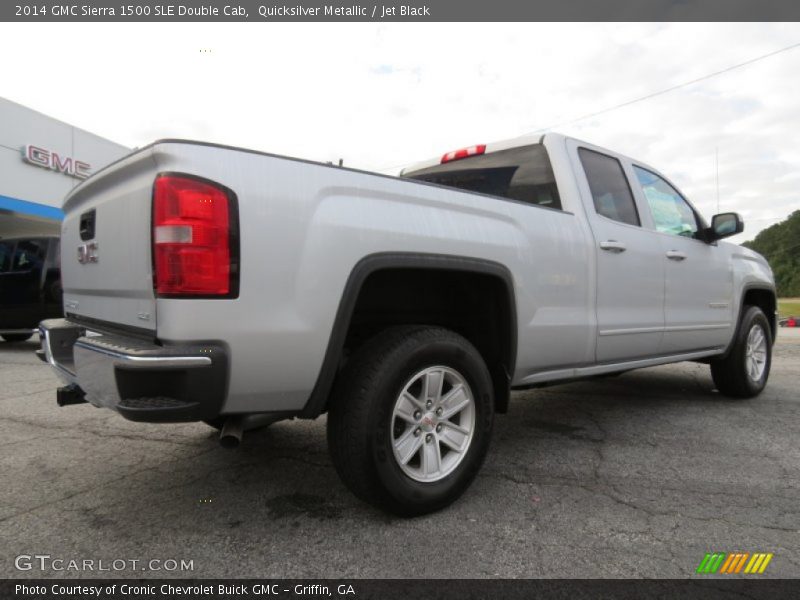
230, 436
70, 394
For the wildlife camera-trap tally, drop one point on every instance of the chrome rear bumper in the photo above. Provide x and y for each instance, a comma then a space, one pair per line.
142, 380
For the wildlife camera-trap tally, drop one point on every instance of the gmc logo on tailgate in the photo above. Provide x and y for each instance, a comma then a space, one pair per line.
87, 253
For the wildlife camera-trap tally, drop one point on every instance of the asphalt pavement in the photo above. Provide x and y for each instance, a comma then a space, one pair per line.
633, 476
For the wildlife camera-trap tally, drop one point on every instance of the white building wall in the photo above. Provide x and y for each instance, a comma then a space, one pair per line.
30, 195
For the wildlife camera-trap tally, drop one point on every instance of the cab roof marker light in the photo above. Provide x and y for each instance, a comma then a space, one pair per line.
464, 153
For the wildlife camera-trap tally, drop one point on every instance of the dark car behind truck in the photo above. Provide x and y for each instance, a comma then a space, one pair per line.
30, 285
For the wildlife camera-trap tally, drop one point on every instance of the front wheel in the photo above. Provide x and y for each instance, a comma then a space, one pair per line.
410, 419
744, 371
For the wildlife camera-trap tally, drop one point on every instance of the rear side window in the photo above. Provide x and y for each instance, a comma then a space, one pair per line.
523, 174
610, 190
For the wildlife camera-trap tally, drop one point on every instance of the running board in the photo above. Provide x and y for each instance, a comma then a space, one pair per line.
602, 369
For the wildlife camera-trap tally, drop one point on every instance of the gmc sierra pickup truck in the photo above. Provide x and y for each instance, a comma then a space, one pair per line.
211, 283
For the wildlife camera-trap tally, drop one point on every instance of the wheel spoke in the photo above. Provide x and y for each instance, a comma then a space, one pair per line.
416, 402
406, 407
455, 401
454, 437
433, 385
407, 445
453, 426
431, 458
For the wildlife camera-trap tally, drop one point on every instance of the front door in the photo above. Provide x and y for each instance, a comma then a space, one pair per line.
698, 311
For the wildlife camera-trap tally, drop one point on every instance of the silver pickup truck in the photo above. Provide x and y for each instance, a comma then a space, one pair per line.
211, 283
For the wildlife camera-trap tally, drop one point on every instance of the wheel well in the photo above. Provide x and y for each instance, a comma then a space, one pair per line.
475, 305
765, 300
470, 296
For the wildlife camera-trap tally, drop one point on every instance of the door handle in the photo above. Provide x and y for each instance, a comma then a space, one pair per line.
675, 255
613, 246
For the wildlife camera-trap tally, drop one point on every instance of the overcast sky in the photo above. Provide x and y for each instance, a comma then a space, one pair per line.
381, 96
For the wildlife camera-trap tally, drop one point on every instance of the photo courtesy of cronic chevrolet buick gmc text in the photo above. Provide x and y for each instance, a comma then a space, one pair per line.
211, 283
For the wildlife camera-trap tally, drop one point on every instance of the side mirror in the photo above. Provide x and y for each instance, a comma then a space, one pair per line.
724, 225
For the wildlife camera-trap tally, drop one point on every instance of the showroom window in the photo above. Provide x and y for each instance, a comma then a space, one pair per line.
6, 254
29, 255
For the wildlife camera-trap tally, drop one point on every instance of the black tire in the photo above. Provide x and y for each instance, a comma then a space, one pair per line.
16, 337
361, 422
731, 374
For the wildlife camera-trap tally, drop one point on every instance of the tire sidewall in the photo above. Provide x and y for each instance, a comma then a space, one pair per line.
404, 491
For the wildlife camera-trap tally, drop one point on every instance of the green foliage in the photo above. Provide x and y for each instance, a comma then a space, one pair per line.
780, 245
787, 307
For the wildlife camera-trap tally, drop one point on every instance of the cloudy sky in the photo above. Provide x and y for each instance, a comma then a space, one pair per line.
384, 95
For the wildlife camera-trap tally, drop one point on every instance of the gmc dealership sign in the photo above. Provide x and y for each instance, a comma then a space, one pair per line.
47, 159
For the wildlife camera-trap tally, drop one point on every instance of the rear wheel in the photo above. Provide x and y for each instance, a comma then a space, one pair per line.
410, 419
744, 372
16, 337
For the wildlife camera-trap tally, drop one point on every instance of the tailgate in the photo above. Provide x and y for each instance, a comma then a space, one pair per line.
106, 263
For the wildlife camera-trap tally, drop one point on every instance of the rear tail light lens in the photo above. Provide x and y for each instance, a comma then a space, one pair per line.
464, 153
195, 250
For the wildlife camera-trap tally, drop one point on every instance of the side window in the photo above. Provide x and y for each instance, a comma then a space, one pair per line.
6, 255
610, 190
671, 213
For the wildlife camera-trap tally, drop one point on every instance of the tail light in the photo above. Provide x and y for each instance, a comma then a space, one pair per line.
195, 241
464, 153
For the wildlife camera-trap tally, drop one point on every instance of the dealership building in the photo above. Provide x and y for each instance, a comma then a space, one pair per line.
41, 160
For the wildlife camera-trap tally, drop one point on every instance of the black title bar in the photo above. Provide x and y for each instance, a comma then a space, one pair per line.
408, 11
391, 589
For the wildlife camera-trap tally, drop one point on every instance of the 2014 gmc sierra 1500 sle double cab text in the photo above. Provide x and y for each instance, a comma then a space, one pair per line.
204, 282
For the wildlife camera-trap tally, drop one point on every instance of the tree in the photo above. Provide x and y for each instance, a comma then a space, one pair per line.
780, 245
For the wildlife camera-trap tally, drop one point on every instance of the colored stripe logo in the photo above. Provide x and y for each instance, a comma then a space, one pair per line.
728, 563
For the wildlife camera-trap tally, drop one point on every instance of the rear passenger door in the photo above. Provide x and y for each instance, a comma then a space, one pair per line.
630, 266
